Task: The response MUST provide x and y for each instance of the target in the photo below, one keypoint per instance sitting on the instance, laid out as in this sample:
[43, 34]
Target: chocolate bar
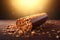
[31, 22]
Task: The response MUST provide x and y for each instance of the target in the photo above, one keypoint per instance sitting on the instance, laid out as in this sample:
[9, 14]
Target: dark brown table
[49, 31]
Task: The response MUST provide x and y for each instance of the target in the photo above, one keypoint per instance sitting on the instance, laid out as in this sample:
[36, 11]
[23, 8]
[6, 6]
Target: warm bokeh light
[26, 7]
[19, 8]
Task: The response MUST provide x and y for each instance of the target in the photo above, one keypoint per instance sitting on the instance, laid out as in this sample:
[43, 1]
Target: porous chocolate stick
[31, 22]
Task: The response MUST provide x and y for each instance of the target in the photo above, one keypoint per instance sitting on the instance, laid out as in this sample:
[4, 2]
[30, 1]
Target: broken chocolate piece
[31, 22]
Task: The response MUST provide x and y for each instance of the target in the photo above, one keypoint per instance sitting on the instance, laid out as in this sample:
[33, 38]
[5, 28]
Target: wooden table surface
[52, 28]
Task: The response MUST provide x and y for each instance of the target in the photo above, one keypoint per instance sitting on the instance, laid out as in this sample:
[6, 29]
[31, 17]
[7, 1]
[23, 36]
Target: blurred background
[14, 9]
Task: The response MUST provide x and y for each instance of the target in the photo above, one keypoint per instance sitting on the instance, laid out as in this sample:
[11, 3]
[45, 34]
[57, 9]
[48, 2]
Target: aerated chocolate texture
[22, 26]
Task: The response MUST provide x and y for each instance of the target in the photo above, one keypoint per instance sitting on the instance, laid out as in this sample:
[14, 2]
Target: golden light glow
[26, 7]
